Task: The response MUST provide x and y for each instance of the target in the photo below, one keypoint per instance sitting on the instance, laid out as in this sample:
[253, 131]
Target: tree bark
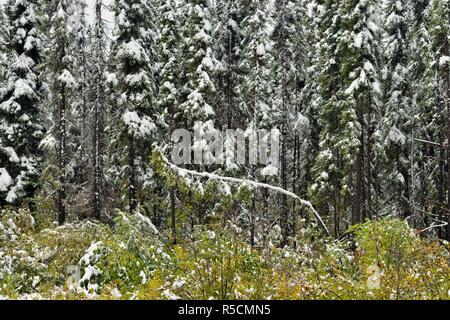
[62, 140]
[132, 177]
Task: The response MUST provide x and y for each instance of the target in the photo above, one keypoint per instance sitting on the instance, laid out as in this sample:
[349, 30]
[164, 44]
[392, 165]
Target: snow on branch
[183, 172]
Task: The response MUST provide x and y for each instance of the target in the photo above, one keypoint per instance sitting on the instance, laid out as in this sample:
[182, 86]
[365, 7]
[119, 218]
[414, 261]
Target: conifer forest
[225, 149]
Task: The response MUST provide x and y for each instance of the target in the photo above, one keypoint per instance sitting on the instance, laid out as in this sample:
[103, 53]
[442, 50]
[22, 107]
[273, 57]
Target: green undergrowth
[130, 259]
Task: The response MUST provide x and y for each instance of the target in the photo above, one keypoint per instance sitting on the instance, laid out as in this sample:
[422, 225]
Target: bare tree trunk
[231, 42]
[62, 157]
[132, 182]
[447, 106]
[252, 222]
[336, 216]
[97, 115]
[441, 177]
[359, 168]
[369, 162]
[284, 206]
[296, 166]
[62, 141]
[172, 188]
[351, 188]
[84, 115]
[172, 212]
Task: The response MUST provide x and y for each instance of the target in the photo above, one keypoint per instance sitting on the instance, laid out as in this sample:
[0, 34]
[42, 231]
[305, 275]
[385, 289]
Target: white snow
[90, 253]
[134, 50]
[396, 136]
[22, 88]
[143, 276]
[142, 126]
[147, 221]
[269, 171]
[12, 154]
[444, 60]
[358, 40]
[260, 50]
[67, 78]
[5, 180]
[301, 123]
[89, 271]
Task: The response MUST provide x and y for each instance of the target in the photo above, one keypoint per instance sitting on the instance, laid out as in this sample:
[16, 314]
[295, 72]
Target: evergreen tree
[289, 67]
[397, 112]
[330, 168]
[359, 71]
[98, 117]
[3, 48]
[59, 20]
[200, 66]
[426, 166]
[136, 113]
[81, 114]
[256, 94]
[440, 64]
[21, 127]
[169, 96]
[226, 37]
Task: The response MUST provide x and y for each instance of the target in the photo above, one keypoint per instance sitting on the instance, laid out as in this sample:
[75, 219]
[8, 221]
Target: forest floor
[130, 259]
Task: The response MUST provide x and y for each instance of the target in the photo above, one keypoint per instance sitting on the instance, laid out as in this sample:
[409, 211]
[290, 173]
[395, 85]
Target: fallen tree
[305, 203]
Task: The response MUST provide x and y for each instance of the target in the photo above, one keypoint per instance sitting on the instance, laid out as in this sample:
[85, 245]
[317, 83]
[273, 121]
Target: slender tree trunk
[355, 213]
[84, 116]
[230, 71]
[441, 177]
[172, 213]
[172, 188]
[359, 168]
[132, 182]
[284, 205]
[447, 106]
[296, 166]
[252, 222]
[336, 216]
[369, 162]
[62, 157]
[97, 115]
[62, 141]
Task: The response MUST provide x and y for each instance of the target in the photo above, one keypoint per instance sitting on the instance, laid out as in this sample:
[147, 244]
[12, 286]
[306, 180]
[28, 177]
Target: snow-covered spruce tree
[81, 112]
[170, 57]
[133, 124]
[439, 33]
[226, 37]
[98, 111]
[198, 94]
[329, 189]
[170, 92]
[361, 88]
[256, 95]
[426, 165]
[3, 47]
[307, 128]
[349, 87]
[200, 65]
[397, 118]
[21, 127]
[59, 31]
[255, 64]
[289, 68]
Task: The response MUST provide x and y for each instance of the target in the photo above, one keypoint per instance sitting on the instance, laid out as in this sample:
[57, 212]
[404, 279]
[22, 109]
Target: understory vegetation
[130, 259]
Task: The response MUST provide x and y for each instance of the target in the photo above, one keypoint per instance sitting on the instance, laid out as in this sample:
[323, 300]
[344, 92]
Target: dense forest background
[359, 91]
